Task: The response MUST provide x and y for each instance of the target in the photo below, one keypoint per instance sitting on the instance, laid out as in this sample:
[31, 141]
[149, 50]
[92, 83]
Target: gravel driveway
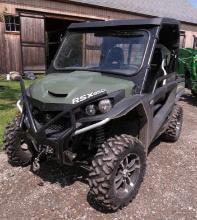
[169, 190]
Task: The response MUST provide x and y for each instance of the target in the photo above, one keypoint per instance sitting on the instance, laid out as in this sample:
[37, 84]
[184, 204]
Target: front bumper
[60, 141]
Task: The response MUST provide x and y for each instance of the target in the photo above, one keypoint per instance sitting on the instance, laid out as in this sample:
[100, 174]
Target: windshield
[118, 51]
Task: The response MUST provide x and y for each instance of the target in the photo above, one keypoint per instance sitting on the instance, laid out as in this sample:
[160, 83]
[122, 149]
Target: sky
[193, 2]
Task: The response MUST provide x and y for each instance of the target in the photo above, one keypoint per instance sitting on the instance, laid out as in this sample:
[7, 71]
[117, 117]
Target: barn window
[12, 23]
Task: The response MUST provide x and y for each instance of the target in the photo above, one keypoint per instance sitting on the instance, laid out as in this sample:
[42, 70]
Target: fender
[120, 109]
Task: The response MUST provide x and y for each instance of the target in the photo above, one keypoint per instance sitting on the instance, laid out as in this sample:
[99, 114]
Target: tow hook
[36, 165]
[69, 157]
[36, 162]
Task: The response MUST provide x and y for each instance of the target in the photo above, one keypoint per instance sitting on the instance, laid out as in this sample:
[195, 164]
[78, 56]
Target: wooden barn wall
[32, 30]
[34, 56]
[2, 49]
[9, 51]
[190, 31]
[13, 52]
[65, 10]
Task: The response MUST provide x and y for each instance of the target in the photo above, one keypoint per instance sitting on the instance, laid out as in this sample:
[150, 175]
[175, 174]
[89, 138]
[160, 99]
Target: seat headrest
[115, 57]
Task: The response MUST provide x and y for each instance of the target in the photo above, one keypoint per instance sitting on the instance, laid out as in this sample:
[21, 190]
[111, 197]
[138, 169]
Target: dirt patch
[169, 190]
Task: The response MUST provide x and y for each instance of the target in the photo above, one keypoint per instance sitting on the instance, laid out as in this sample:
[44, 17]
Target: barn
[31, 30]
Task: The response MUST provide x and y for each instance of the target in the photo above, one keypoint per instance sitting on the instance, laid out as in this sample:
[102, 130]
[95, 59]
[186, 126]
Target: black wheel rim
[127, 175]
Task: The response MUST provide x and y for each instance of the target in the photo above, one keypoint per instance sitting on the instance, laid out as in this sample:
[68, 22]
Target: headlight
[90, 110]
[104, 105]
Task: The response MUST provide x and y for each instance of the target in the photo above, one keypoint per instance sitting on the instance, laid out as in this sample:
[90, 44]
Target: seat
[114, 58]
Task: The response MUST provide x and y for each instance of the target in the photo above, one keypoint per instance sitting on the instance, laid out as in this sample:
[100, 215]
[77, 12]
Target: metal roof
[131, 22]
[181, 10]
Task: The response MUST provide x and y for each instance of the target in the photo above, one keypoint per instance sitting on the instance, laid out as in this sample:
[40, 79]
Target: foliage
[9, 94]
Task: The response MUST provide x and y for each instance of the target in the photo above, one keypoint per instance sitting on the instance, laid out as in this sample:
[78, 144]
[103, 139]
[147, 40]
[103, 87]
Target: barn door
[33, 50]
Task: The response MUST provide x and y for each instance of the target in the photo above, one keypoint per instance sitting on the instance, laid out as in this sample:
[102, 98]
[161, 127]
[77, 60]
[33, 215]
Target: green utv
[110, 91]
[188, 66]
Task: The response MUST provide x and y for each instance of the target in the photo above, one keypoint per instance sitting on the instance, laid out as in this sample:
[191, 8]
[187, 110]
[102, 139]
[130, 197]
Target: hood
[69, 87]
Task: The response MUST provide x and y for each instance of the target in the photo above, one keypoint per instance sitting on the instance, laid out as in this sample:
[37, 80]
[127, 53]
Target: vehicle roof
[124, 23]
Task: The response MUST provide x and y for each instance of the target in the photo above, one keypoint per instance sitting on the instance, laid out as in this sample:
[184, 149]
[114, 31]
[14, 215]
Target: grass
[9, 94]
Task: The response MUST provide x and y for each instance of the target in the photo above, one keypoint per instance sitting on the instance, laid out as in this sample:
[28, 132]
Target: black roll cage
[152, 26]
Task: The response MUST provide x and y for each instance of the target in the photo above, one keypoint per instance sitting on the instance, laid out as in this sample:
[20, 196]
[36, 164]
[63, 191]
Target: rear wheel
[173, 131]
[117, 172]
[16, 145]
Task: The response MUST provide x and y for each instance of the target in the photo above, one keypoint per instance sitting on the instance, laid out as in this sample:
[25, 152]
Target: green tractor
[109, 93]
[188, 66]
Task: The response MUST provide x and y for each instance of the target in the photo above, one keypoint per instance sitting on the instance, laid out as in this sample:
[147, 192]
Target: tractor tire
[17, 149]
[117, 172]
[173, 131]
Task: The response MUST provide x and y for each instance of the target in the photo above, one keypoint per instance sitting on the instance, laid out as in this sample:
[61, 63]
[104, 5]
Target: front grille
[56, 127]
[59, 126]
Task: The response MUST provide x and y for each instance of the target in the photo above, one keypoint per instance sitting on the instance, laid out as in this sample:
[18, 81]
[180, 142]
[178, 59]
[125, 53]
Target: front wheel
[16, 145]
[117, 172]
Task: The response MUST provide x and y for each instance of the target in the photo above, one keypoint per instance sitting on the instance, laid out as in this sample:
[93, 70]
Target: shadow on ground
[190, 99]
[154, 145]
[66, 175]
[52, 172]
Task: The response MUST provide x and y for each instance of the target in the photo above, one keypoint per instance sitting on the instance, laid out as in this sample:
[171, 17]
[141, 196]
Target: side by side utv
[111, 90]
